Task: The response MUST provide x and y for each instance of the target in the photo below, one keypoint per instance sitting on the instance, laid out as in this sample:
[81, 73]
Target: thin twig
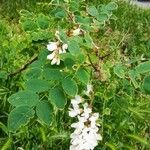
[102, 57]
[91, 62]
[34, 58]
[123, 38]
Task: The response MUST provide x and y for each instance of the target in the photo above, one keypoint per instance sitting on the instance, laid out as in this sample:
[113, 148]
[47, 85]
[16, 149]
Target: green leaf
[24, 98]
[74, 6]
[74, 48]
[111, 6]
[137, 138]
[146, 84]
[33, 73]
[81, 59]
[92, 11]
[70, 86]
[69, 63]
[83, 75]
[63, 36]
[26, 13]
[143, 67]
[52, 74]
[82, 20]
[119, 71]
[3, 128]
[29, 25]
[7, 144]
[44, 112]
[111, 146]
[3, 75]
[19, 116]
[132, 75]
[88, 40]
[43, 21]
[102, 17]
[57, 97]
[37, 85]
[61, 14]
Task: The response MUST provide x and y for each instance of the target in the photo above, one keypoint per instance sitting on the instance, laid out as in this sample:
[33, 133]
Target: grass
[125, 113]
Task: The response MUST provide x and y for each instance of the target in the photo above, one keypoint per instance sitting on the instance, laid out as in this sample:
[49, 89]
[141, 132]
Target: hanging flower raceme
[56, 48]
[85, 135]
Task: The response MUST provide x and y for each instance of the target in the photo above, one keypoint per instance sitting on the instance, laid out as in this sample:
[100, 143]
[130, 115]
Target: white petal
[99, 137]
[89, 90]
[60, 51]
[51, 56]
[73, 113]
[52, 46]
[64, 47]
[58, 61]
[77, 100]
[54, 61]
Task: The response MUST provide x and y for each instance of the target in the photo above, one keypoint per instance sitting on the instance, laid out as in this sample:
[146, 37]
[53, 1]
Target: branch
[34, 58]
[91, 62]
[102, 57]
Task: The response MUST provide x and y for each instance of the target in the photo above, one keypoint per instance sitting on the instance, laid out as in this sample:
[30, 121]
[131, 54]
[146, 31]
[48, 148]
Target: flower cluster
[85, 135]
[56, 48]
[59, 47]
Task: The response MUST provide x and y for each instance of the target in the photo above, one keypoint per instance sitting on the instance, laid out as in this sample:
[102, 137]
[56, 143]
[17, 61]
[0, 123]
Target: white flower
[63, 49]
[86, 111]
[52, 46]
[51, 56]
[93, 119]
[20, 148]
[85, 135]
[77, 100]
[76, 32]
[74, 111]
[56, 49]
[78, 125]
[89, 90]
[55, 60]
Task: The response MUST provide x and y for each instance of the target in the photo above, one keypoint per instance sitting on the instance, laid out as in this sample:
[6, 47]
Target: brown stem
[34, 58]
[91, 62]
[102, 57]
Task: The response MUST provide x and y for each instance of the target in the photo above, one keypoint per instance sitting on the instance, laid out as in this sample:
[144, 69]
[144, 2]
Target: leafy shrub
[40, 93]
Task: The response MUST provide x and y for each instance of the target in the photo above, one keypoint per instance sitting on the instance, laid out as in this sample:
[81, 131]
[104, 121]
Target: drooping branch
[91, 62]
[34, 58]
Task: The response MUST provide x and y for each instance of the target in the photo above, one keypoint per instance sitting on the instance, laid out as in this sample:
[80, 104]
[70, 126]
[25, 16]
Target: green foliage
[37, 85]
[146, 84]
[29, 25]
[57, 97]
[119, 71]
[92, 11]
[112, 54]
[74, 48]
[43, 21]
[19, 116]
[3, 75]
[44, 112]
[70, 86]
[24, 98]
[143, 68]
[83, 75]
[52, 74]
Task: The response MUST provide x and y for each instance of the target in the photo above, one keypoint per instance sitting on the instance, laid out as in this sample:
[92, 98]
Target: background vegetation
[122, 102]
